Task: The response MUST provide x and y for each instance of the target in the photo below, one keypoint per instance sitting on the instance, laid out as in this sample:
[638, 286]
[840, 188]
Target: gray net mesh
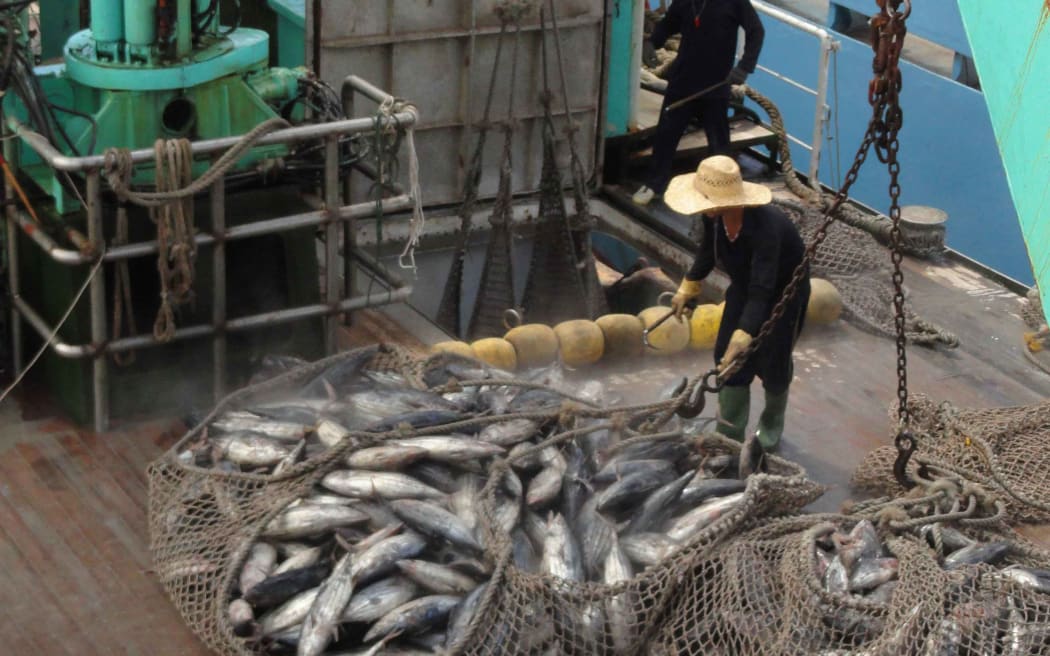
[805, 585]
[1032, 310]
[207, 523]
[859, 267]
[1003, 449]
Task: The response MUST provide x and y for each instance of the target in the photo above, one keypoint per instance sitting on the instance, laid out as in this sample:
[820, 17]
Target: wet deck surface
[74, 544]
[73, 536]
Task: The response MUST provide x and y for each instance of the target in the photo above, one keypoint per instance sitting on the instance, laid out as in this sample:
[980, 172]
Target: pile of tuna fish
[857, 563]
[388, 551]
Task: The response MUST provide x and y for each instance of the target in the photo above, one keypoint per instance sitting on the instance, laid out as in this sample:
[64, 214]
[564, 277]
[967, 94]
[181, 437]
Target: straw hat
[717, 184]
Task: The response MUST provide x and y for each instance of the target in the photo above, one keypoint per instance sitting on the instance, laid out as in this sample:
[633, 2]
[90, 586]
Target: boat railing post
[13, 280]
[218, 228]
[821, 110]
[332, 196]
[97, 292]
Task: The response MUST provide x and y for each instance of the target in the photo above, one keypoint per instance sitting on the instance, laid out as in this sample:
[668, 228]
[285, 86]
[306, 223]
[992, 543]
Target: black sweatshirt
[759, 263]
[709, 33]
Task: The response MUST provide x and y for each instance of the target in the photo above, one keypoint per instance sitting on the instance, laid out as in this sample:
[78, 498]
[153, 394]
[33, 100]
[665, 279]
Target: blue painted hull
[949, 157]
[1012, 53]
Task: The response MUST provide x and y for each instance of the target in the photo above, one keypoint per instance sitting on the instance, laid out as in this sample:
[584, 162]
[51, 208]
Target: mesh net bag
[762, 592]
[1003, 449]
[858, 266]
[529, 613]
[204, 523]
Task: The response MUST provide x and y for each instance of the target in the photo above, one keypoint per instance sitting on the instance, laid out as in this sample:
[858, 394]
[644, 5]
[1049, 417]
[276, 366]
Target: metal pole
[348, 96]
[820, 112]
[12, 266]
[218, 302]
[100, 369]
[58, 160]
[331, 242]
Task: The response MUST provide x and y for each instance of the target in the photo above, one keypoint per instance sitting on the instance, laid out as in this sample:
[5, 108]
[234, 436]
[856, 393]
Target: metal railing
[822, 114]
[330, 213]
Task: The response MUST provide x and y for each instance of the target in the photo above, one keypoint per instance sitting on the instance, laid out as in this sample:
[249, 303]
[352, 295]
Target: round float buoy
[703, 326]
[670, 337]
[825, 304]
[535, 344]
[581, 342]
[497, 352]
[461, 349]
[622, 333]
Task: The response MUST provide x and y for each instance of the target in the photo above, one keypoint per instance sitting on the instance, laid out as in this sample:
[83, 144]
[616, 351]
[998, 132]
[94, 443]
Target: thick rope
[176, 246]
[119, 169]
[171, 209]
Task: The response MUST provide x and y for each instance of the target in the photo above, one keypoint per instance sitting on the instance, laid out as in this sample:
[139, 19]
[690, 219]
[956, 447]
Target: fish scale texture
[203, 523]
[1004, 449]
[526, 613]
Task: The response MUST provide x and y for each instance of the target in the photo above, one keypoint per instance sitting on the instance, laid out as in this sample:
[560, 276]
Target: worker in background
[759, 247]
[705, 58]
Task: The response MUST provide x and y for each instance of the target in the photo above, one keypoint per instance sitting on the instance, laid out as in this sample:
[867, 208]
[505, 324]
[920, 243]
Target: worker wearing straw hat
[699, 79]
[759, 247]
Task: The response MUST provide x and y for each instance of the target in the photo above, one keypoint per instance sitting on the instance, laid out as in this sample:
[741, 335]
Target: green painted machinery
[151, 69]
[146, 70]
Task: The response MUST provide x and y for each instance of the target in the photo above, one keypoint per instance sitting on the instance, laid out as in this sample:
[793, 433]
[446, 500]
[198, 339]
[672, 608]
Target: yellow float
[454, 347]
[703, 326]
[497, 352]
[536, 344]
[622, 333]
[581, 342]
[670, 337]
[825, 304]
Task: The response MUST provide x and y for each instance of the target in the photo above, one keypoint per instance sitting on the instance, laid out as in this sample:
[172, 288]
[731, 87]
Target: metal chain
[888, 30]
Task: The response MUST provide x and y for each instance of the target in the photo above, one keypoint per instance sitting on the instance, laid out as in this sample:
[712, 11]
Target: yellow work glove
[737, 343]
[687, 291]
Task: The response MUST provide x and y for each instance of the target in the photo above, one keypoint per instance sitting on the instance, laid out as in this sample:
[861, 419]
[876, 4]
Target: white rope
[407, 259]
[54, 333]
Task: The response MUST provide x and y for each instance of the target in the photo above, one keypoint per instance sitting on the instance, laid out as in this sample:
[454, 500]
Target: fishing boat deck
[73, 531]
[74, 542]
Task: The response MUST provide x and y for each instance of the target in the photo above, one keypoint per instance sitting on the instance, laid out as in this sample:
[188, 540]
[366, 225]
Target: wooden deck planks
[73, 515]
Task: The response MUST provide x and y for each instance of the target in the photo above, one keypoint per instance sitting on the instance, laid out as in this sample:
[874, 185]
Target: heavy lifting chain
[888, 30]
[884, 96]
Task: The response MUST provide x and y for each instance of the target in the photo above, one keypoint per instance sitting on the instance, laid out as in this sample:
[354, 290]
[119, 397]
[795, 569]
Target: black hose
[87, 117]
[237, 20]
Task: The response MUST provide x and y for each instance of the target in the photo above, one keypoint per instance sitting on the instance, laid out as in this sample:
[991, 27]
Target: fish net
[1003, 449]
[1032, 310]
[525, 612]
[203, 523]
[765, 591]
[859, 267]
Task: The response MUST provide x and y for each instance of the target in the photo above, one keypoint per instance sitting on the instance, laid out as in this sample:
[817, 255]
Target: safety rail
[822, 115]
[330, 212]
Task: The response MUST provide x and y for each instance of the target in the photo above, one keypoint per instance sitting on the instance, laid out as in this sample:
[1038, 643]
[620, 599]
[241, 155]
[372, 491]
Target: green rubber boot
[734, 404]
[771, 422]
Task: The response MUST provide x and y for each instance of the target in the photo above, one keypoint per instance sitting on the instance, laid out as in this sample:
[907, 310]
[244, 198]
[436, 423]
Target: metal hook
[905, 443]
